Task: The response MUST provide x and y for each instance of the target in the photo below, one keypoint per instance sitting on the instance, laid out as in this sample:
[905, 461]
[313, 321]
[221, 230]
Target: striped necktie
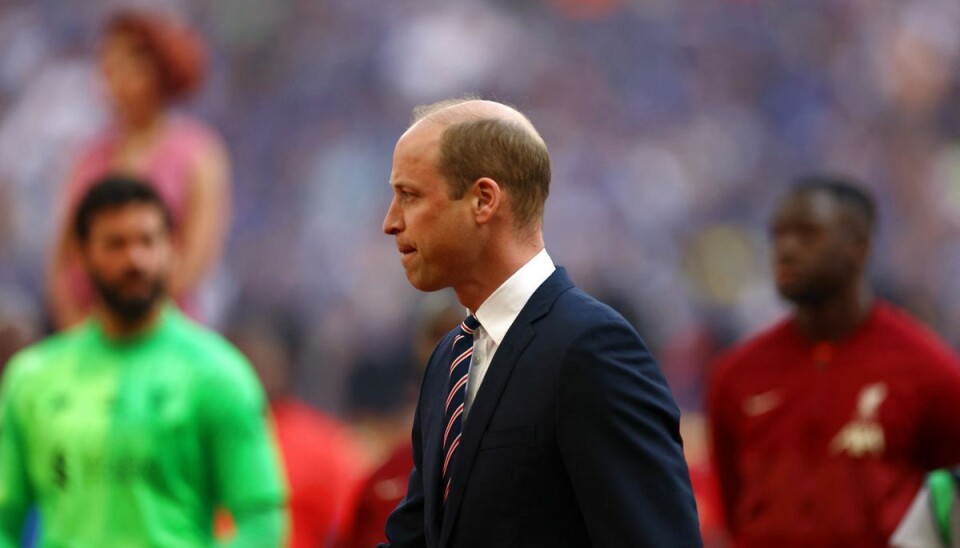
[456, 393]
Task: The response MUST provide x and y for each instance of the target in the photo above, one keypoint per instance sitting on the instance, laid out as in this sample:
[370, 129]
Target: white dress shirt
[498, 313]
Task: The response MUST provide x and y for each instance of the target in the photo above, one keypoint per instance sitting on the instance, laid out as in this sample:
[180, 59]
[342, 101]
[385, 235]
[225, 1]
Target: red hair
[175, 49]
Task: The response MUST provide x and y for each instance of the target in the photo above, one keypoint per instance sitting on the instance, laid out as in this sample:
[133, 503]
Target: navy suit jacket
[572, 440]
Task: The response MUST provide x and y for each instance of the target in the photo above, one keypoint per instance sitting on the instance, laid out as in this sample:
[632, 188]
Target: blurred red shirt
[706, 492]
[379, 495]
[820, 444]
[324, 469]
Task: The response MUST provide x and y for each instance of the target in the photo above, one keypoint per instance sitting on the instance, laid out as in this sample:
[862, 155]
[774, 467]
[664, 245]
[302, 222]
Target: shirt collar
[501, 308]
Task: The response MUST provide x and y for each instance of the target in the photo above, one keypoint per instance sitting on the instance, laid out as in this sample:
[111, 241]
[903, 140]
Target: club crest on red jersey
[863, 435]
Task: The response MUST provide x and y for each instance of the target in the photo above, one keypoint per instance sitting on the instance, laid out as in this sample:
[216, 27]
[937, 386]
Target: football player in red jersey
[824, 425]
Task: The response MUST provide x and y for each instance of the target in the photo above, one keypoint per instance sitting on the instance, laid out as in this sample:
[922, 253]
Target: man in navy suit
[542, 420]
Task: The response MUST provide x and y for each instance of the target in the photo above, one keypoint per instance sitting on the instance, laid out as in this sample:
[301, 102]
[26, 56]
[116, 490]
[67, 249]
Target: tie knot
[470, 324]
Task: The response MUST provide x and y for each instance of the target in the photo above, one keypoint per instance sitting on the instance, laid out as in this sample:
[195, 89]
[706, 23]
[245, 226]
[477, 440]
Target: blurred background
[673, 126]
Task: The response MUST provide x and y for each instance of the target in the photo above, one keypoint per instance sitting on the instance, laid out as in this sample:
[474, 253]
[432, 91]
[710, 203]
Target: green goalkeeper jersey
[135, 442]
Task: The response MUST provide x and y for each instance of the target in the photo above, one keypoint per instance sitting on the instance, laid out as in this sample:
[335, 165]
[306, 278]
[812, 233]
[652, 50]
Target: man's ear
[486, 199]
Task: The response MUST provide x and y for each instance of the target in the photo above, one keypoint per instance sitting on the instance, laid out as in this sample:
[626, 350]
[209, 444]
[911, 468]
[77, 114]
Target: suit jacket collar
[516, 340]
[502, 308]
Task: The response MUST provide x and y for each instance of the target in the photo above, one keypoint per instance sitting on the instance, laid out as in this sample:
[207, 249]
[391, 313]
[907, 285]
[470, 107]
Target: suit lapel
[517, 339]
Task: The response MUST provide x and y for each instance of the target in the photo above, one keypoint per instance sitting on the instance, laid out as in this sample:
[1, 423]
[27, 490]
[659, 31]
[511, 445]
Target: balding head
[489, 139]
[455, 111]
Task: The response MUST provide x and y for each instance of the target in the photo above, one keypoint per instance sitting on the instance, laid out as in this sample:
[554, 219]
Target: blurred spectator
[378, 399]
[148, 63]
[825, 425]
[387, 485]
[322, 462]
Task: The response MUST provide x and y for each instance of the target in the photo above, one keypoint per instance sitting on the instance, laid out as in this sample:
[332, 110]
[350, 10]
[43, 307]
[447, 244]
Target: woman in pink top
[148, 63]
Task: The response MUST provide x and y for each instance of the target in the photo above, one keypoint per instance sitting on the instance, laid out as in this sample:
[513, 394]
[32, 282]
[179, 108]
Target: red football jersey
[825, 444]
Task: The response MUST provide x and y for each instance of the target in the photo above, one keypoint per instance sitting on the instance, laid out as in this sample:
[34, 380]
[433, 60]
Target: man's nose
[784, 249]
[137, 254]
[392, 223]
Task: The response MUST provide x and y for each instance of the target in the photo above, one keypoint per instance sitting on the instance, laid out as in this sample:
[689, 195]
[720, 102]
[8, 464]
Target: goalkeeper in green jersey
[131, 429]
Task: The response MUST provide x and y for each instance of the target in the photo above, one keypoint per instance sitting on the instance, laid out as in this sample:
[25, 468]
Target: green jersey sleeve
[15, 495]
[246, 473]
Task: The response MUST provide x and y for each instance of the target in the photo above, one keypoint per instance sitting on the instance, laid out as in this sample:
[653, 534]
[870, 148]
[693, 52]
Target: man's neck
[834, 319]
[116, 327]
[493, 272]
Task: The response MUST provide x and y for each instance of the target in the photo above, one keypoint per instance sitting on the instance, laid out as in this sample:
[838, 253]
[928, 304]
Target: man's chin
[131, 308]
[131, 311]
[424, 284]
[797, 296]
[129, 302]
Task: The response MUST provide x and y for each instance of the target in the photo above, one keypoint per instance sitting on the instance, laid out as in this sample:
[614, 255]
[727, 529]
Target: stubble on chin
[129, 310]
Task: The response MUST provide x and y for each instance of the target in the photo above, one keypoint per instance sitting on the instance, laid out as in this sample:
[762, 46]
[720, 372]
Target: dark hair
[849, 193]
[176, 50]
[111, 192]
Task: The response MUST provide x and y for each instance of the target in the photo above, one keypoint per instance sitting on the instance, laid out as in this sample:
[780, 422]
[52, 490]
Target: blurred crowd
[673, 127]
